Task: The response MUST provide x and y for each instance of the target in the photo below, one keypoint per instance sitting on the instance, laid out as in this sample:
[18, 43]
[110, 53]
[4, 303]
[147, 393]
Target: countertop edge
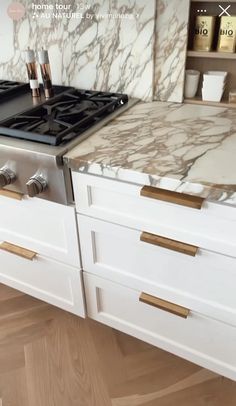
[209, 192]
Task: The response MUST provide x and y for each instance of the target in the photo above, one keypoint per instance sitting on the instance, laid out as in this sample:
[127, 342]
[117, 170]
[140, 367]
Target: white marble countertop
[182, 147]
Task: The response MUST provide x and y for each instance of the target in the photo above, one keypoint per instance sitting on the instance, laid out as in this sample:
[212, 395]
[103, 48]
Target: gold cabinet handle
[11, 194]
[170, 196]
[16, 250]
[169, 244]
[164, 305]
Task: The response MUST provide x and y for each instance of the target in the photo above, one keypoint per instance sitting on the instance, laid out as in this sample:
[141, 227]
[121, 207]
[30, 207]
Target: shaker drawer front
[202, 340]
[204, 281]
[44, 227]
[204, 224]
[53, 282]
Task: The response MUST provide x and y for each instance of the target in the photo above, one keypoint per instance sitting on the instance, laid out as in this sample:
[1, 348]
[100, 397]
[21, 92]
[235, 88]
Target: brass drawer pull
[16, 250]
[11, 194]
[164, 305]
[182, 199]
[169, 244]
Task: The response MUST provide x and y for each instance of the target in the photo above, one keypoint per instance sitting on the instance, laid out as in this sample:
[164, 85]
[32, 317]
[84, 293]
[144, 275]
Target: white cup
[191, 83]
[217, 73]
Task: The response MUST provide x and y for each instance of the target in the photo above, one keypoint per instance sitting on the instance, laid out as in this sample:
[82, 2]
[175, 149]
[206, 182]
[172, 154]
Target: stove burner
[8, 88]
[64, 117]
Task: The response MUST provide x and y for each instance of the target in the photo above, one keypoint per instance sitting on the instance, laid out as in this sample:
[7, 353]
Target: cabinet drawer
[48, 280]
[212, 227]
[45, 227]
[202, 340]
[205, 282]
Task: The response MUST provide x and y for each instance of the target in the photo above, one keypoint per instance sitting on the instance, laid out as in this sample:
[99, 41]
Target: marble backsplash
[97, 50]
[142, 54]
[170, 49]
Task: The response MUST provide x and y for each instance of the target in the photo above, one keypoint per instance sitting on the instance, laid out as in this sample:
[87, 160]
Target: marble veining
[102, 52]
[170, 49]
[180, 147]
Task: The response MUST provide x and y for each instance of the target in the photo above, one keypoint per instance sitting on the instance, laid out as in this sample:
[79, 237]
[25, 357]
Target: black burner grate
[8, 88]
[64, 117]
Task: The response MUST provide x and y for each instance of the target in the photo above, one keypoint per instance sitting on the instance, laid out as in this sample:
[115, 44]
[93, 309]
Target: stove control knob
[7, 176]
[36, 185]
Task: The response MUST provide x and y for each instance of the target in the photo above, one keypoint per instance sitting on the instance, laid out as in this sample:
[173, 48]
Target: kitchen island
[155, 196]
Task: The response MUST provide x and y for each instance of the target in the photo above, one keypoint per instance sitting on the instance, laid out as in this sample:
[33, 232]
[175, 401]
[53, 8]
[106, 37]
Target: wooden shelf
[199, 101]
[213, 60]
[214, 55]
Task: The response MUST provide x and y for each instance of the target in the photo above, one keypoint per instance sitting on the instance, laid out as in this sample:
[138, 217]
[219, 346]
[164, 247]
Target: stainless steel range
[36, 133]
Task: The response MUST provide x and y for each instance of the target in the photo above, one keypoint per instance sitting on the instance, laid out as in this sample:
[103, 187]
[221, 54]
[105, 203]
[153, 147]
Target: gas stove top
[36, 133]
[8, 88]
[63, 118]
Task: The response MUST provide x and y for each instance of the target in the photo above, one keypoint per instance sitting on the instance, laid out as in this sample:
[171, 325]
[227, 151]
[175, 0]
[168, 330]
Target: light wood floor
[51, 358]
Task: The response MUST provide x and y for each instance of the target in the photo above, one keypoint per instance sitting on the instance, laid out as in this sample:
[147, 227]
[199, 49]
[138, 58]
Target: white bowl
[214, 95]
[209, 87]
[217, 73]
[214, 80]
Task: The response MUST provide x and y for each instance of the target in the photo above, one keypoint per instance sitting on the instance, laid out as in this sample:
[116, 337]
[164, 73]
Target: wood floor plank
[37, 373]
[23, 319]
[13, 388]
[127, 347]
[6, 358]
[49, 357]
[85, 364]
[8, 293]
[110, 354]
[18, 304]
[16, 338]
[210, 392]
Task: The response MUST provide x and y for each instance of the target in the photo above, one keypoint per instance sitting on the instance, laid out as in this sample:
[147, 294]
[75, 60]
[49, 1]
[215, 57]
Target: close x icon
[224, 10]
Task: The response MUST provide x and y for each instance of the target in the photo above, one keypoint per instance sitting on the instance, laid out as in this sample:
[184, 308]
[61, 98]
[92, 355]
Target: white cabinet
[179, 250]
[48, 280]
[213, 227]
[199, 339]
[42, 226]
[204, 282]
[39, 251]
